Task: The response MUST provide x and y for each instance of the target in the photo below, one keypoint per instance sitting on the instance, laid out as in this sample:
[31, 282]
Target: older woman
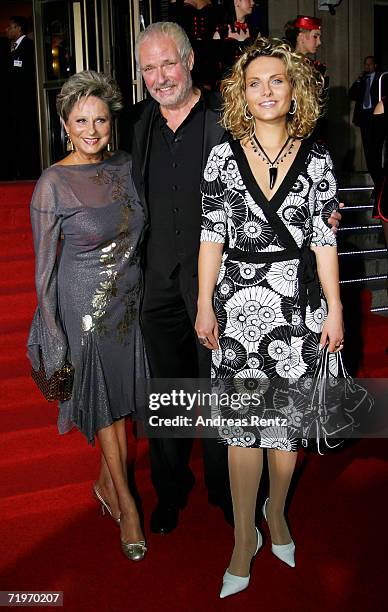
[88, 225]
[267, 194]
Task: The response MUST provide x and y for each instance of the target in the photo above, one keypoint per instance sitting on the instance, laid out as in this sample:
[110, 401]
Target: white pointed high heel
[232, 584]
[284, 552]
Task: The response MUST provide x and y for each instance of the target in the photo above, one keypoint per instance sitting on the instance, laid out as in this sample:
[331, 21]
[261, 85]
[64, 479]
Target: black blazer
[357, 92]
[21, 77]
[141, 121]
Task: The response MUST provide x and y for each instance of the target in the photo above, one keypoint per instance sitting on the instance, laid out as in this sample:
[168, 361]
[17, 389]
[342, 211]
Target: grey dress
[88, 225]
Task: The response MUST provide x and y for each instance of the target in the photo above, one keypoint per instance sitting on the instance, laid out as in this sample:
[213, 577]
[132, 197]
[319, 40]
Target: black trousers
[22, 127]
[366, 137]
[168, 317]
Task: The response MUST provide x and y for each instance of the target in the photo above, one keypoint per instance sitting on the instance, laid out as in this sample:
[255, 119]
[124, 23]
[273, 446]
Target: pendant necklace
[273, 165]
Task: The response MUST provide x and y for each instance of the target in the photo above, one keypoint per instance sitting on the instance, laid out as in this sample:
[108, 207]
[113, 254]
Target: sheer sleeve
[46, 331]
[213, 228]
[325, 202]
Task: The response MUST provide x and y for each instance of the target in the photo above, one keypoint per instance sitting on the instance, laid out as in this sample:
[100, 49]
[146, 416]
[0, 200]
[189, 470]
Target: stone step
[354, 179]
[361, 240]
[373, 283]
[355, 196]
[351, 254]
[380, 300]
[357, 215]
[364, 269]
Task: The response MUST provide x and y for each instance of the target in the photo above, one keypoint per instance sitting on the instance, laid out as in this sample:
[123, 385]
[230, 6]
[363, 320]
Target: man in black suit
[172, 134]
[22, 107]
[365, 93]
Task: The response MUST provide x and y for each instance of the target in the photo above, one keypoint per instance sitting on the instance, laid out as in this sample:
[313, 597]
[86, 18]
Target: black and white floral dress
[268, 302]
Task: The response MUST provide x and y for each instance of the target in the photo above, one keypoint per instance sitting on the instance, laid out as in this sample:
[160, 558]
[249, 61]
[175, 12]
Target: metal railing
[383, 74]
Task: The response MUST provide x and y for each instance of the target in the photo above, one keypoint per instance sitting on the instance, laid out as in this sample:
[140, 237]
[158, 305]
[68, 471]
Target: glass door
[79, 35]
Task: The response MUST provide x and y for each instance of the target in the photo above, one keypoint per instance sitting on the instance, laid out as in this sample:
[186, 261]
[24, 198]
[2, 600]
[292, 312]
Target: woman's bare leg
[104, 483]
[112, 442]
[245, 468]
[105, 486]
[121, 433]
[281, 465]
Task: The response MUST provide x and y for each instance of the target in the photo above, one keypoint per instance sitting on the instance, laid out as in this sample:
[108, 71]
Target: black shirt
[174, 199]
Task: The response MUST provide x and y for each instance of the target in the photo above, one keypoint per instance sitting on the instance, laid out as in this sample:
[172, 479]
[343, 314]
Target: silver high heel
[104, 504]
[135, 551]
[284, 552]
[232, 584]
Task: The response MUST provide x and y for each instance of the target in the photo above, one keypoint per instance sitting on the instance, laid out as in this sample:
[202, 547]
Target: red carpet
[52, 536]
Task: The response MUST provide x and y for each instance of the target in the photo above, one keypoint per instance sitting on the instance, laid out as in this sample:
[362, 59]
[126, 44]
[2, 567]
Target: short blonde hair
[89, 83]
[307, 84]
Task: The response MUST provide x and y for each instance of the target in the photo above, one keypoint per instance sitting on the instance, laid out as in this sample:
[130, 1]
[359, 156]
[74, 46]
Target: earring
[108, 147]
[246, 111]
[294, 106]
[69, 144]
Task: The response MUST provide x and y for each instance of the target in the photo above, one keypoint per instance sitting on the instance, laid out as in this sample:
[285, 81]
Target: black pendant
[273, 174]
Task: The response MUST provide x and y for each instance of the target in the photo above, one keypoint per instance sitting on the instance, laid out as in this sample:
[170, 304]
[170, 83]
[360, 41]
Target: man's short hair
[21, 21]
[170, 29]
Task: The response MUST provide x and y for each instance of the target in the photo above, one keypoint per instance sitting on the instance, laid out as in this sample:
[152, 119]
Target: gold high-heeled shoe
[104, 505]
[135, 551]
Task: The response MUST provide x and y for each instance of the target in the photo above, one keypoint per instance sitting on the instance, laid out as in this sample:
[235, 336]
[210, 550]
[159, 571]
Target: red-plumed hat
[307, 23]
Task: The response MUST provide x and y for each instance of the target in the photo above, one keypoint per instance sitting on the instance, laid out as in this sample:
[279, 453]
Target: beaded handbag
[59, 386]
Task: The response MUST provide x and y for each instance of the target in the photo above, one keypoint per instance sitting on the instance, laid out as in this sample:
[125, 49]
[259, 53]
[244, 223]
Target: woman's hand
[239, 36]
[333, 330]
[206, 327]
[335, 218]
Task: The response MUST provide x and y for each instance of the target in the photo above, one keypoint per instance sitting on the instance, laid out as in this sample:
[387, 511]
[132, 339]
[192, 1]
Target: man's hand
[335, 218]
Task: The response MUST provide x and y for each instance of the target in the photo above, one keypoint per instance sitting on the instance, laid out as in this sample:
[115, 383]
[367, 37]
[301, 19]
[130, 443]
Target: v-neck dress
[267, 299]
[88, 225]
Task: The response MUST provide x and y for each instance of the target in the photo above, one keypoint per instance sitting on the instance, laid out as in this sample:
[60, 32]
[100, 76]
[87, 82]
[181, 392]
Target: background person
[89, 285]
[235, 24]
[20, 93]
[304, 36]
[365, 93]
[379, 169]
[197, 17]
[267, 195]
[235, 32]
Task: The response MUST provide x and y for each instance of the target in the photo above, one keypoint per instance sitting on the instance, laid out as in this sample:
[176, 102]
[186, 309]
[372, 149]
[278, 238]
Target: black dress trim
[287, 183]
[309, 289]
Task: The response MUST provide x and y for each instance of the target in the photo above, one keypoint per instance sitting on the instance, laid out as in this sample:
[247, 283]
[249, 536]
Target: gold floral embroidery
[112, 255]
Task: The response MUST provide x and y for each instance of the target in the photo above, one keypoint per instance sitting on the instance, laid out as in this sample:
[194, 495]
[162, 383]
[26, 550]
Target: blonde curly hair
[307, 85]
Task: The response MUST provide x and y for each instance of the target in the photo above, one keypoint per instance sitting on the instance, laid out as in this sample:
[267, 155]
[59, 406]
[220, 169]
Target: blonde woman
[263, 310]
